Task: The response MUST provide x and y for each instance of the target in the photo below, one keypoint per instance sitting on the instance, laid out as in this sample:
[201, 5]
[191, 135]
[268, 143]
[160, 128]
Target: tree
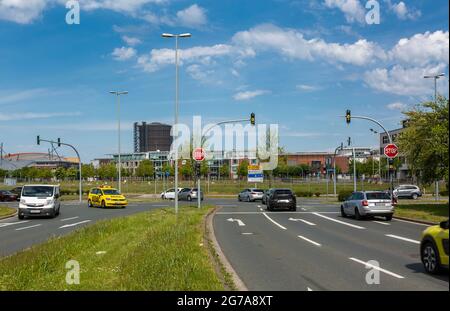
[60, 173]
[3, 173]
[242, 170]
[145, 169]
[107, 171]
[87, 170]
[187, 169]
[224, 170]
[168, 168]
[204, 168]
[424, 142]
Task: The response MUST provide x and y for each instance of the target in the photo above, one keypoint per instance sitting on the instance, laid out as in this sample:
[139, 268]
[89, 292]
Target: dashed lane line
[402, 238]
[310, 241]
[29, 227]
[368, 265]
[340, 222]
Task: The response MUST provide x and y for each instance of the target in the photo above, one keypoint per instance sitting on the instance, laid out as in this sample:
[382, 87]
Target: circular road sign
[199, 154]
[391, 151]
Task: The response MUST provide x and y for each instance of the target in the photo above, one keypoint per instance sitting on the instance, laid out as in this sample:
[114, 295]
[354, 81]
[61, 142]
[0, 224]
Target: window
[378, 196]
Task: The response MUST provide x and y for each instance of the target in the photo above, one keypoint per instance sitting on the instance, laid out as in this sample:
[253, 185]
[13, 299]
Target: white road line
[305, 221]
[381, 223]
[239, 222]
[284, 228]
[261, 209]
[6, 224]
[411, 222]
[309, 289]
[310, 241]
[402, 238]
[303, 209]
[377, 268]
[71, 218]
[29, 227]
[338, 221]
[259, 205]
[247, 233]
[75, 224]
[159, 205]
[283, 212]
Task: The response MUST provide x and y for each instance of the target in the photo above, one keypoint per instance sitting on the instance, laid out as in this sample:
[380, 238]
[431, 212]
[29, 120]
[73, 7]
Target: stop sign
[199, 154]
[391, 151]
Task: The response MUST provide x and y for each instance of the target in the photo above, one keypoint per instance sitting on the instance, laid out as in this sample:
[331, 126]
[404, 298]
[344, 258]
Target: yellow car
[434, 248]
[106, 196]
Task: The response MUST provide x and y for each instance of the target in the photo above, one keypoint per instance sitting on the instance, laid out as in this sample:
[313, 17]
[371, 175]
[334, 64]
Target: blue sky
[298, 63]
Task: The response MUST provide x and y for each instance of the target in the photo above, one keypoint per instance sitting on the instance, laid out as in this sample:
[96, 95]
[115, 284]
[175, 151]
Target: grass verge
[427, 212]
[148, 251]
[6, 211]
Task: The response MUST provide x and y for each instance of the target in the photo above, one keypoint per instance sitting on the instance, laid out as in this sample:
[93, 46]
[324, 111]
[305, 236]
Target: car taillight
[394, 201]
[365, 203]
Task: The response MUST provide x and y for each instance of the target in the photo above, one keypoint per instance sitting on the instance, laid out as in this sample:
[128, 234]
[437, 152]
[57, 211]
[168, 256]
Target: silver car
[407, 191]
[368, 203]
[189, 194]
[251, 195]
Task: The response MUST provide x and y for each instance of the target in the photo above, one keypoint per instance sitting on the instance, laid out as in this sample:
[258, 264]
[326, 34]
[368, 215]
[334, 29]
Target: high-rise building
[152, 137]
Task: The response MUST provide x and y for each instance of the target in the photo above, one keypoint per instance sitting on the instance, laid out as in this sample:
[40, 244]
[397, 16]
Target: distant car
[189, 194]
[39, 200]
[169, 194]
[434, 248]
[281, 199]
[7, 196]
[251, 195]
[368, 203]
[408, 191]
[106, 196]
[265, 195]
[17, 191]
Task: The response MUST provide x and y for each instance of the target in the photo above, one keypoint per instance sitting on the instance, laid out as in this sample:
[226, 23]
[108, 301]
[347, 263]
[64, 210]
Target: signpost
[391, 151]
[255, 174]
[199, 156]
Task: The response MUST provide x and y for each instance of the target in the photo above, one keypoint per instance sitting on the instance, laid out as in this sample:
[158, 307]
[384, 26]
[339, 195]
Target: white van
[39, 200]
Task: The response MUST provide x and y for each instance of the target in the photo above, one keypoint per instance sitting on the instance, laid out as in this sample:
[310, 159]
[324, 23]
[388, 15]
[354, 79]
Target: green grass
[148, 251]
[6, 211]
[427, 212]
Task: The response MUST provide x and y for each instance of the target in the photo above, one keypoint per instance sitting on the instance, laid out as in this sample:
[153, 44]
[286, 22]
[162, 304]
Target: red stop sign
[199, 154]
[391, 151]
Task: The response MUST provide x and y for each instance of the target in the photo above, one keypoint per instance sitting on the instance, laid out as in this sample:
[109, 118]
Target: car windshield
[111, 192]
[37, 191]
[258, 190]
[378, 196]
[282, 191]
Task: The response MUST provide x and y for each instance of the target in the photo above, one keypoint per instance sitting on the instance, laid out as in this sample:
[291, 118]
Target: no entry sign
[391, 151]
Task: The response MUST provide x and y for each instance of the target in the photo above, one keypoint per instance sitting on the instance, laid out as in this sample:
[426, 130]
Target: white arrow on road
[240, 222]
[305, 221]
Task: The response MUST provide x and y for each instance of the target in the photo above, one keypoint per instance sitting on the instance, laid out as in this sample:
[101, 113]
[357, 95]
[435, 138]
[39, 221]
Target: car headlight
[48, 202]
[22, 201]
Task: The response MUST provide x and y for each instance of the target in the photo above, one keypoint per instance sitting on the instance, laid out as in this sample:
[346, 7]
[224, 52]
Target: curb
[423, 222]
[238, 283]
[9, 216]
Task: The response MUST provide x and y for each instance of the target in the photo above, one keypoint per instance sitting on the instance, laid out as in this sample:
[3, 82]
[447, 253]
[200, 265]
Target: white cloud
[125, 6]
[22, 11]
[131, 41]
[247, 95]
[352, 9]
[35, 115]
[397, 106]
[123, 53]
[306, 88]
[201, 74]
[422, 49]
[13, 97]
[193, 16]
[402, 11]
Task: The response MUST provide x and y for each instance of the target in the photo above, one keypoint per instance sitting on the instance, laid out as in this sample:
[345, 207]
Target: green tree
[242, 170]
[3, 173]
[60, 173]
[424, 142]
[145, 169]
[168, 168]
[107, 171]
[87, 170]
[224, 171]
[187, 170]
[204, 168]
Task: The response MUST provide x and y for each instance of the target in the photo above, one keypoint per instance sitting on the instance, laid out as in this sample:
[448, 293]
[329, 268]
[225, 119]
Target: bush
[343, 195]
[304, 194]
[317, 194]
[443, 193]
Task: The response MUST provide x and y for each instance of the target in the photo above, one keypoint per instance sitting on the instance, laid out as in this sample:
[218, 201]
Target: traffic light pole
[334, 167]
[59, 143]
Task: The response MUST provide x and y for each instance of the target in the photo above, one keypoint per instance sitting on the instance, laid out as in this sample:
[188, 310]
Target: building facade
[152, 137]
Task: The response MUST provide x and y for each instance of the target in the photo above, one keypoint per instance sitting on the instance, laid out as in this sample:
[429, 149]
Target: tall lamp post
[435, 78]
[176, 36]
[118, 94]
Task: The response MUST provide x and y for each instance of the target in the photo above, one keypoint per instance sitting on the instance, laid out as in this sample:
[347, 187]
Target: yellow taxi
[106, 196]
[434, 248]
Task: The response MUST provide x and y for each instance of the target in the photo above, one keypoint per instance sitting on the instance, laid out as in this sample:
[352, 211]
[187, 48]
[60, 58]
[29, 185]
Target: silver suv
[407, 191]
[368, 203]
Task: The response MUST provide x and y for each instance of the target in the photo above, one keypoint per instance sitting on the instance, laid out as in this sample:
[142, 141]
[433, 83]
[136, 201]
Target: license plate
[283, 201]
[381, 204]
[35, 211]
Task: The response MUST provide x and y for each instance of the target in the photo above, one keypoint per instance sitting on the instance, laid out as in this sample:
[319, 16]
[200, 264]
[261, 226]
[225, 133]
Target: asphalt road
[16, 235]
[316, 249]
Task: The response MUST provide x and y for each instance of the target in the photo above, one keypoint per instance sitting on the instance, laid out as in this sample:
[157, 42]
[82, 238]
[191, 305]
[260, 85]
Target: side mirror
[444, 225]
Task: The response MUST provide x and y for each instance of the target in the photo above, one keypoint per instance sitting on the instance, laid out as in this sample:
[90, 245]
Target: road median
[6, 212]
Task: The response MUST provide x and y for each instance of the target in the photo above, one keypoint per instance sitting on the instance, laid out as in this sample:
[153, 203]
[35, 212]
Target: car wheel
[103, 204]
[343, 214]
[388, 217]
[163, 197]
[415, 196]
[20, 216]
[357, 214]
[248, 199]
[90, 203]
[239, 198]
[430, 258]
[293, 208]
[58, 211]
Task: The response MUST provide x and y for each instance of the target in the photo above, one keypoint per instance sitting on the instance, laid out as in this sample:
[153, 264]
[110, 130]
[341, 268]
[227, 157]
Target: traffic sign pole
[199, 156]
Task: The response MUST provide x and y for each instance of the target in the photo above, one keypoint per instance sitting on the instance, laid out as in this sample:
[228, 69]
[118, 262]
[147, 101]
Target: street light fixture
[435, 77]
[118, 94]
[176, 36]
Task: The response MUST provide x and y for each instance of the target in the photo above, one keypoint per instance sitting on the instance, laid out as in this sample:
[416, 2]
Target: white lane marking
[283, 212]
[259, 206]
[6, 224]
[284, 228]
[377, 268]
[239, 222]
[247, 233]
[381, 223]
[411, 222]
[305, 221]
[340, 222]
[71, 218]
[309, 289]
[29, 227]
[402, 238]
[310, 241]
[74, 224]
[261, 209]
[303, 209]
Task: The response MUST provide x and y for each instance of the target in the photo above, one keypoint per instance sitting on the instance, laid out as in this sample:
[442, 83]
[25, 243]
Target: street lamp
[435, 77]
[169, 35]
[118, 93]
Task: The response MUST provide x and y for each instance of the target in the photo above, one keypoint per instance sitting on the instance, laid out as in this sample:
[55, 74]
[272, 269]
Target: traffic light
[349, 141]
[252, 119]
[348, 116]
[59, 142]
[38, 140]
